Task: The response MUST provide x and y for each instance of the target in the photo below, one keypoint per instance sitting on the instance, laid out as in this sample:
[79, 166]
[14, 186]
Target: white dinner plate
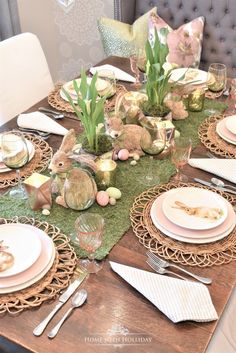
[224, 133]
[187, 235]
[193, 197]
[31, 150]
[192, 240]
[230, 123]
[190, 75]
[23, 243]
[36, 271]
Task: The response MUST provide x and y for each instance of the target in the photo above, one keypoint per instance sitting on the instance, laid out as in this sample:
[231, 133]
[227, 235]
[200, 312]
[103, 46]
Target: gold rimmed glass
[216, 82]
[15, 155]
[217, 76]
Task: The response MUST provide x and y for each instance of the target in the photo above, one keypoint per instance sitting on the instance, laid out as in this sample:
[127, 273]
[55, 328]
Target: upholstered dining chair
[25, 78]
[219, 38]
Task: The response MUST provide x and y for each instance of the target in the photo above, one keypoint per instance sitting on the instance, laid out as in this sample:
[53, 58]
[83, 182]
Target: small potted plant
[89, 108]
[158, 72]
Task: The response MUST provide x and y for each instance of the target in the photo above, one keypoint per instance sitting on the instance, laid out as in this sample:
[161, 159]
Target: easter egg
[136, 157]
[102, 198]
[114, 192]
[123, 154]
[112, 201]
[177, 134]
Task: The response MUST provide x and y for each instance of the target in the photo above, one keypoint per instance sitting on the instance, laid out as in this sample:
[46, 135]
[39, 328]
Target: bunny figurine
[82, 186]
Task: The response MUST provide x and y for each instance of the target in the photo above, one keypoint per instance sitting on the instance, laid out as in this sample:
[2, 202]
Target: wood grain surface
[113, 303]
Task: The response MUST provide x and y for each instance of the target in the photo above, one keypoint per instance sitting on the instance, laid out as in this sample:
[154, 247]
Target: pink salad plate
[176, 232]
[37, 270]
[224, 133]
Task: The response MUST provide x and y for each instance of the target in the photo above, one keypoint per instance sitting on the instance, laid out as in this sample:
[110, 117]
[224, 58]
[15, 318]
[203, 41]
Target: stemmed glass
[89, 229]
[216, 81]
[180, 153]
[15, 155]
[152, 142]
[137, 65]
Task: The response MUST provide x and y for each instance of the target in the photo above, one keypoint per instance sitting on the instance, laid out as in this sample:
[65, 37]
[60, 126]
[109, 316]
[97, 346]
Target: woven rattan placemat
[40, 161]
[202, 255]
[57, 278]
[55, 100]
[211, 140]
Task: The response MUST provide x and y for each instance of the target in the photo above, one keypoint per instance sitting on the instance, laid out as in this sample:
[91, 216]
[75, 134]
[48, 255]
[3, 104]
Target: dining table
[116, 317]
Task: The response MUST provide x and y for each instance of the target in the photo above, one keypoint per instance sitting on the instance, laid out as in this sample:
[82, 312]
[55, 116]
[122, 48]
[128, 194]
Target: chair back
[25, 78]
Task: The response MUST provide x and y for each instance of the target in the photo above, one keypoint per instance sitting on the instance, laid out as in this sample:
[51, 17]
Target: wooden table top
[113, 303]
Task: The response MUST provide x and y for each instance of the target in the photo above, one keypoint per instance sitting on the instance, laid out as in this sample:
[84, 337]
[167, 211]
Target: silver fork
[164, 264]
[162, 270]
[43, 134]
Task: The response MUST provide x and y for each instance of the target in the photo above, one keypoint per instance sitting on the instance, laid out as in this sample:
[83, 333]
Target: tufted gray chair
[219, 43]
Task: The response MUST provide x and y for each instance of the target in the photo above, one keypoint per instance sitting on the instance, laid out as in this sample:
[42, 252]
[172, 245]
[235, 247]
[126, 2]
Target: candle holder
[106, 173]
[38, 188]
[196, 100]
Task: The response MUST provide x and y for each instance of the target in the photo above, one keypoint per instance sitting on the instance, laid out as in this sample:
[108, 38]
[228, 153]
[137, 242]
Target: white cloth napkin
[119, 74]
[40, 121]
[224, 168]
[179, 300]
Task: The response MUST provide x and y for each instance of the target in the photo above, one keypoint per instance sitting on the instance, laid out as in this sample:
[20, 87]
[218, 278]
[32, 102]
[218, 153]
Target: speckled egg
[102, 198]
[123, 154]
[114, 192]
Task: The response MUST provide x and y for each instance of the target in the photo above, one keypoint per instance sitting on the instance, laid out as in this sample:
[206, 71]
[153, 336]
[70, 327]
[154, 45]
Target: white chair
[25, 78]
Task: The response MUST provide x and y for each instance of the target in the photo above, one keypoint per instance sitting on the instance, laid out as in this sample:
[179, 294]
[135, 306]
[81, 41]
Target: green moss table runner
[116, 217]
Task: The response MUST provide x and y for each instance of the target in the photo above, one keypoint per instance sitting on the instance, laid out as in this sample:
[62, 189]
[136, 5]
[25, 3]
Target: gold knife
[62, 300]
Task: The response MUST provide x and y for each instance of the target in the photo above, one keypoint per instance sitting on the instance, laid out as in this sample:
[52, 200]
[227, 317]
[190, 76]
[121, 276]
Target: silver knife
[47, 110]
[207, 183]
[62, 300]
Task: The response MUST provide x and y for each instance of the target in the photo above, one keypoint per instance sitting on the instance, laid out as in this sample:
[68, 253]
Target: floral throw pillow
[185, 43]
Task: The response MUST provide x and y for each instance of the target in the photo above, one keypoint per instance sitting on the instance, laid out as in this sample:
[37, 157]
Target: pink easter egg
[123, 154]
[102, 198]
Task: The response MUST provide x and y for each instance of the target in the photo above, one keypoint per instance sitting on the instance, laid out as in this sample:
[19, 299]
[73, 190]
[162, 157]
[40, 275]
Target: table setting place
[50, 243]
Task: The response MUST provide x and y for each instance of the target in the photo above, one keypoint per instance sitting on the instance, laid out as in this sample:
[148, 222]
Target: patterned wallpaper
[67, 30]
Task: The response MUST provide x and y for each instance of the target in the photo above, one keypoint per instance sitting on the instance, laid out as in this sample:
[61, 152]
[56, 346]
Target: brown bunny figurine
[61, 167]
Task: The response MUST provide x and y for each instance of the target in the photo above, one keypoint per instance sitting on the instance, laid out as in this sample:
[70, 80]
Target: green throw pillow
[121, 39]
